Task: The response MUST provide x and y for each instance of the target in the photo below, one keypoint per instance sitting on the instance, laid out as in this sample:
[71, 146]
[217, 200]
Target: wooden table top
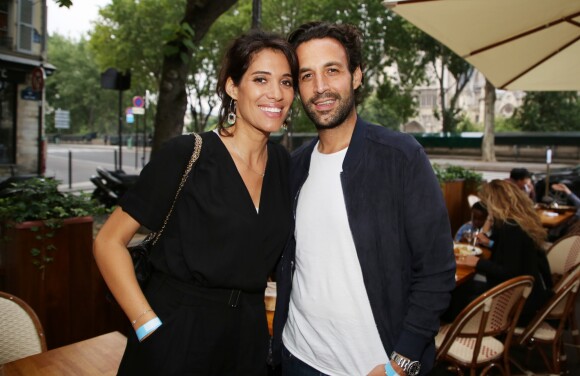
[552, 218]
[96, 356]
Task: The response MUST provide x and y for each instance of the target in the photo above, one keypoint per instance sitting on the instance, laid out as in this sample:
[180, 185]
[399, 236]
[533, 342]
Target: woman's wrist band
[389, 370]
[141, 315]
[147, 328]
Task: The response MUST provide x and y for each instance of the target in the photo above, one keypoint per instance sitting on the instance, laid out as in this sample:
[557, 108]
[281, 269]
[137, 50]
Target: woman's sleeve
[149, 199]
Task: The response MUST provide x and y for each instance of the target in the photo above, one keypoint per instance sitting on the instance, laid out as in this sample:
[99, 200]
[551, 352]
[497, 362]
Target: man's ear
[357, 78]
[231, 89]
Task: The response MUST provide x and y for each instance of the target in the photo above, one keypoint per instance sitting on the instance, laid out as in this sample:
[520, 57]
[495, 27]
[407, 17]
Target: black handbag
[141, 252]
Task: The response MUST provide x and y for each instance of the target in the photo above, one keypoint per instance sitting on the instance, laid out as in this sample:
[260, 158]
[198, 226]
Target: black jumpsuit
[215, 252]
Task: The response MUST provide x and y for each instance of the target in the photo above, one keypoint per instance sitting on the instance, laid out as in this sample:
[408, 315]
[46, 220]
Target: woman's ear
[231, 89]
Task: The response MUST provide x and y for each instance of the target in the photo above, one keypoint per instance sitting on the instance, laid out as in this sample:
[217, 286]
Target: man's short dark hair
[519, 174]
[349, 36]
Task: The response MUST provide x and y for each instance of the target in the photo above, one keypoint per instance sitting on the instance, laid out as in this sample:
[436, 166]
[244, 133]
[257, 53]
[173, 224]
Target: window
[7, 121]
[4, 39]
[25, 26]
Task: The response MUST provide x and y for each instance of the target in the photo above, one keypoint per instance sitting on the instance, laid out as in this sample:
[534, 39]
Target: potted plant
[46, 256]
[457, 183]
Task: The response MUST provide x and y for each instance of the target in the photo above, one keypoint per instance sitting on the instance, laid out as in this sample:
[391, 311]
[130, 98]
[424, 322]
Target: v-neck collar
[256, 210]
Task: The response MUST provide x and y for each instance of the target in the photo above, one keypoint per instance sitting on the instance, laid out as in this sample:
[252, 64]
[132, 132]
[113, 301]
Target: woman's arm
[116, 266]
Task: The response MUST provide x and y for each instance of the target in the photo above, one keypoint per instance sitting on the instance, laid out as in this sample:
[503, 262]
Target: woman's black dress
[212, 260]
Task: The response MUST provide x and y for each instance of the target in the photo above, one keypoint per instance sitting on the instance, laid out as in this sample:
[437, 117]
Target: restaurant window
[7, 121]
[25, 26]
[4, 36]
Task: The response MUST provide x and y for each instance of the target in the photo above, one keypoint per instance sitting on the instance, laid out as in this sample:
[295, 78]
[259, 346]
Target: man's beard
[340, 115]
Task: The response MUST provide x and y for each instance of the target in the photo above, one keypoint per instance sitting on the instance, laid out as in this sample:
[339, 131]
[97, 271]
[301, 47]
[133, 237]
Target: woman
[225, 234]
[517, 250]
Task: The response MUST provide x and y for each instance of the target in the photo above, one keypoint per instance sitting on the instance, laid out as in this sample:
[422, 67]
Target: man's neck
[338, 138]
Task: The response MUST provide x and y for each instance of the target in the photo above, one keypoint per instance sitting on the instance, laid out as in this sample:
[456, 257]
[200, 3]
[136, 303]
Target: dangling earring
[232, 114]
[287, 120]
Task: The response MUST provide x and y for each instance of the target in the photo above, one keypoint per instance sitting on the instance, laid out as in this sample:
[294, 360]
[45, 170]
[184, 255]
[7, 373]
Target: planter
[67, 293]
[454, 201]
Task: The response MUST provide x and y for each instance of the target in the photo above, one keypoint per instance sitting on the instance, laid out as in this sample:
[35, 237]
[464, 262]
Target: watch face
[413, 369]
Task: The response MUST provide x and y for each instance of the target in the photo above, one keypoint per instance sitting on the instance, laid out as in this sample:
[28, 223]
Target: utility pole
[256, 14]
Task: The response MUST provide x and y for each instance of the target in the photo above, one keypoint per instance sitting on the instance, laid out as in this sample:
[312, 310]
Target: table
[465, 273]
[96, 356]
[553, 218]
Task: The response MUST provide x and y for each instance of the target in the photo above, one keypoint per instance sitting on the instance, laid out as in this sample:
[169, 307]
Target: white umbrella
[517, 44]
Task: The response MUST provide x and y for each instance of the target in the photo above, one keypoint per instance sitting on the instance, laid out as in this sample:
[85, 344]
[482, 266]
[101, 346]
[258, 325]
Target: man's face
[523, 183]
[325, 83]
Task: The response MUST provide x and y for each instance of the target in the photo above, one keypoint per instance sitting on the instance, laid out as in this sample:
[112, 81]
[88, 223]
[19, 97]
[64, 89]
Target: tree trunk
[488, 142]
[172, 104]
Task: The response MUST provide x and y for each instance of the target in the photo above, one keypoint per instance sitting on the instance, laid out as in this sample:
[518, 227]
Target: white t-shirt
[330, 323]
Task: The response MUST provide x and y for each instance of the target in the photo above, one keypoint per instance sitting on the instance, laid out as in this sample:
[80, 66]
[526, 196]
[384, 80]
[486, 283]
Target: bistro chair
[563, 256]
[21, 333]
[470, 341]
[546, 328]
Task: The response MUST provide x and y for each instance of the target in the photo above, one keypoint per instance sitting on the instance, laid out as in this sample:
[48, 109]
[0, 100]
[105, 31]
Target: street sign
[37, 79]
[62, 119]
[138, 101]
[138, 111]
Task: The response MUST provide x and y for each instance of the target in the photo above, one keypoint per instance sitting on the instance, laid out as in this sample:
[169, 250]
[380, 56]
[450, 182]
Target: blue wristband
[390, 371]
[147, 328]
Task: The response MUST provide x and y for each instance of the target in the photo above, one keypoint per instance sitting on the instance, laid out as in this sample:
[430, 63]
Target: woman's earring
[232, 114]
[288, 120]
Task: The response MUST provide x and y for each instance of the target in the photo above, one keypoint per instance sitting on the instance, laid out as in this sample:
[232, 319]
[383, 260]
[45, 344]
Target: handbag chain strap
[194, 157]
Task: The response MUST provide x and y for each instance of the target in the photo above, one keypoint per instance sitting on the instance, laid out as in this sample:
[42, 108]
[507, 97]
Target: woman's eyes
[264, 80]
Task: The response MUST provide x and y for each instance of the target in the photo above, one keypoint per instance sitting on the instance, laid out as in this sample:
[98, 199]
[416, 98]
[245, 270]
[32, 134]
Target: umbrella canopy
[517, 44]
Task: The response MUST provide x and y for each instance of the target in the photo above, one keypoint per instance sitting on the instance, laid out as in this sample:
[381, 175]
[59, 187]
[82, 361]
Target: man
[523, 179]
[370, 267]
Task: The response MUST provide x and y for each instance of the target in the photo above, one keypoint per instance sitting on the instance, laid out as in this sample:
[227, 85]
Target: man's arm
[428, 235]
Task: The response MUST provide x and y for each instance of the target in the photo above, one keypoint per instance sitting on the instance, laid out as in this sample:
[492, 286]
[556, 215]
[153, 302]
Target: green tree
[443, 60]
[75, 86]
[545, 111]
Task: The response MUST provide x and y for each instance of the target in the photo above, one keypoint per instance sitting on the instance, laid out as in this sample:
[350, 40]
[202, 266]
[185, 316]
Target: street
[85, 159]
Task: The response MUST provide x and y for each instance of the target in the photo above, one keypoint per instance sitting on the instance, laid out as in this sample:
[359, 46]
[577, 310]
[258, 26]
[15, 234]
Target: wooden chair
[471, 340]
[21, 333]
[549, 323]
[563, 256]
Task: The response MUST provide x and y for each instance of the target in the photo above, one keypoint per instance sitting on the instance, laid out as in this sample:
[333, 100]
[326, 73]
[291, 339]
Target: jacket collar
[355, 147]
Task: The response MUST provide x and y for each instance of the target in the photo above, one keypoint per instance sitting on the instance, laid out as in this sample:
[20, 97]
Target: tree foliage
[549, 111]
[75, 86]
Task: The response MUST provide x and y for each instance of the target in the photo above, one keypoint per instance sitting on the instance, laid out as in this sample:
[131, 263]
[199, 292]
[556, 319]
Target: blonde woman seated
[517, 250]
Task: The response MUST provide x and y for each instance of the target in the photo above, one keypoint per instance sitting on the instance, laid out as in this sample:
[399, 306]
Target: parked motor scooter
[111, 185]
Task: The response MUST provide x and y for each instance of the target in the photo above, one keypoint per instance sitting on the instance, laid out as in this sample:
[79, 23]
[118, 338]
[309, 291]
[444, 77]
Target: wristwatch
[411, 368]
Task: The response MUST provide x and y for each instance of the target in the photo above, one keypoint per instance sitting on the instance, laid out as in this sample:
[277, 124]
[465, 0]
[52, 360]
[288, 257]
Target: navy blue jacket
[400, 228]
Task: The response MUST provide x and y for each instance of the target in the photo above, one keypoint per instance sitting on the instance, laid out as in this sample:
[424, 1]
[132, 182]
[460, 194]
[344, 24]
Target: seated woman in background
[518, 236]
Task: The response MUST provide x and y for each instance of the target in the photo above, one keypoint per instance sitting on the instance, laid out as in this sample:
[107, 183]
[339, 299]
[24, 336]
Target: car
[567, 175]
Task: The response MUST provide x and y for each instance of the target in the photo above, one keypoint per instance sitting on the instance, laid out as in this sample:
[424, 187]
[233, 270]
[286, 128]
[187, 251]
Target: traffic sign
[62, 119]
[37, 79]
[130, 118]
[138, 102]
[138, 111]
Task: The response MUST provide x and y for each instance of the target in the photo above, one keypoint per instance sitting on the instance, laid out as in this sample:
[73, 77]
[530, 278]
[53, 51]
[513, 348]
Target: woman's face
[265, 92]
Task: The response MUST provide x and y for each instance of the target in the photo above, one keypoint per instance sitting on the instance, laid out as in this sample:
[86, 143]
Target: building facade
[471, 101]
[23, 67]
